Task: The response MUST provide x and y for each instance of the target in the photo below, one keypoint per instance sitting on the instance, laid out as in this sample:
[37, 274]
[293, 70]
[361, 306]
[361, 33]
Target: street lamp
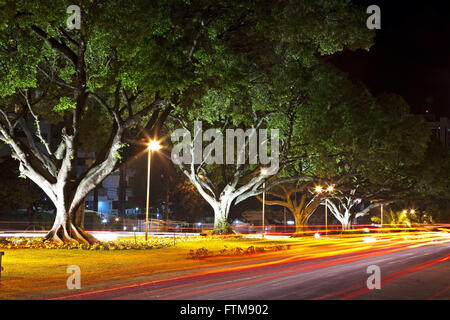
[264, 172]
[329, 189]
[153, 145]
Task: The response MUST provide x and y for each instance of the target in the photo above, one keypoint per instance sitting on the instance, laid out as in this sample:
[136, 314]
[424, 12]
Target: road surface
[419, 270]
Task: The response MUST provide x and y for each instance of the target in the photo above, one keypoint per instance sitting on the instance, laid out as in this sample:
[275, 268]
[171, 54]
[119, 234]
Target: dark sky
[411, 55]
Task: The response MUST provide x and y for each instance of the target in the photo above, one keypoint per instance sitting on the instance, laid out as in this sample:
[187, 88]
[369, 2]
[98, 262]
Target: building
[108, 191]
[440, 129]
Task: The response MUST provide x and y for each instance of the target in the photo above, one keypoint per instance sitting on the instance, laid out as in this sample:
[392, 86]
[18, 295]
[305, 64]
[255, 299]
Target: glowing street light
[153, 145]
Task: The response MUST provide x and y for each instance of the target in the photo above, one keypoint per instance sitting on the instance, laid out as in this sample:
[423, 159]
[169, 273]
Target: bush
[119, 244]
[237, 251]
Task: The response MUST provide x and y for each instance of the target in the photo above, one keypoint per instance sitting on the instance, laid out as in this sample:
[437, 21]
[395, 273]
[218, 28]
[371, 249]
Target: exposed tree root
[69, 233]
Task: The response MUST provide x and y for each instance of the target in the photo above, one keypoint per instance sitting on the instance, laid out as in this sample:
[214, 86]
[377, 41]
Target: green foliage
[65, 103]
[402, 217]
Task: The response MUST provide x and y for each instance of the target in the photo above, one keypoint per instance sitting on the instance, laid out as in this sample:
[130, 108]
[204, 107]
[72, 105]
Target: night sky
[411, 55]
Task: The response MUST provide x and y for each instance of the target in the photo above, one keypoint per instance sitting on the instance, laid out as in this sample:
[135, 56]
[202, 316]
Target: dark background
[411, 55]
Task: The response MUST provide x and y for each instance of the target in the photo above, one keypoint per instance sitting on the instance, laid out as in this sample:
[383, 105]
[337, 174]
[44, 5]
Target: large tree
[101, 86]
[267, 88]
[395, 160]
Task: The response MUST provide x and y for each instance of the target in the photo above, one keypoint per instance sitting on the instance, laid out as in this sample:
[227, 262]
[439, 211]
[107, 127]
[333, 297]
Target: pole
[148, 192]
[284, 212]
[167, 206]
[381, 215]
[326, 217]
[264, 200]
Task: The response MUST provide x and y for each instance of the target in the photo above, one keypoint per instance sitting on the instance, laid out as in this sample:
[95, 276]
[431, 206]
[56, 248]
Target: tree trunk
[346, 225]
[66, 230]
[79, 215]
[301, 224]
[346, 220]
[220, 215]
[221, 210]
[166, 207]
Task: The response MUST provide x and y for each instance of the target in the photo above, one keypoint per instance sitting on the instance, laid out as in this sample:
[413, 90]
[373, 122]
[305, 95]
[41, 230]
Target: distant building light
[124, 228]
[134, 228]
[290, 222]
[199, 224]
[104, 221]
[317, 235]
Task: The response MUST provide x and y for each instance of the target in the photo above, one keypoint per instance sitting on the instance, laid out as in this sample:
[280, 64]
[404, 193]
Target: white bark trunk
[220, 214]
[65, 230]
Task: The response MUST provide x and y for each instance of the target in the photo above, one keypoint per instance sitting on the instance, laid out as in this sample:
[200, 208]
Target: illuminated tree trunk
[301, 223]
[65, 228]
[221, 211]
[301, 209]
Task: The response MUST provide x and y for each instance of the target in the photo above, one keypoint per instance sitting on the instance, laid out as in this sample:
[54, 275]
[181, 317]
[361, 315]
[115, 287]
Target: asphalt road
[407, 272]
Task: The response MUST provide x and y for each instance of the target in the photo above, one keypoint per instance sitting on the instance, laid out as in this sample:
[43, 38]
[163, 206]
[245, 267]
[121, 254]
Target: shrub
[237, 251]
[119, 244]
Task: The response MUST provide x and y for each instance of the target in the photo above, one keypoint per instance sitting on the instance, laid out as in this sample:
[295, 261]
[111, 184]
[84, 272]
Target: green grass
[30, 271]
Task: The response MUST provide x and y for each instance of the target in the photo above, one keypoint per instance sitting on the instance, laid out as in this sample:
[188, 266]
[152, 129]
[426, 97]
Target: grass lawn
[29, 272]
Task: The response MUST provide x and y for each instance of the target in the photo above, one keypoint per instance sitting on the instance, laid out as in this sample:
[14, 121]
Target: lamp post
[153, 145]
[381, 216]
[329, 189]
